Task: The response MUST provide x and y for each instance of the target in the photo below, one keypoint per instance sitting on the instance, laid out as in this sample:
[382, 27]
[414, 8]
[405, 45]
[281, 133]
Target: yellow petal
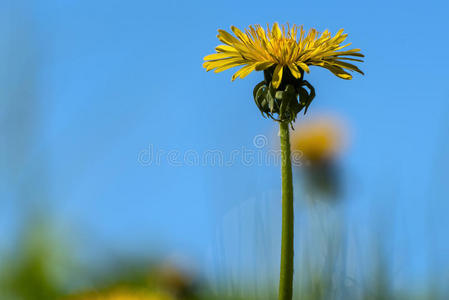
[225, 48]
[337, 35]
[294, 69]
[228, 66]
[337, 71]
[347, 58]
[345, 65]
[277, 76]
[303, 66]
[261, 32]
[224, 64]
[263, 65]
[352, 52]
[268, 31]
[226, 37]
[276, 31]
[218, 56]
[243, 72]
[341, 47]
[239, 34]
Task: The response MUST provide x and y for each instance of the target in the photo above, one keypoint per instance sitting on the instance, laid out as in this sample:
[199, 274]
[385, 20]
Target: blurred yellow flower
[319, 139]
[124, 295]
[280, 47]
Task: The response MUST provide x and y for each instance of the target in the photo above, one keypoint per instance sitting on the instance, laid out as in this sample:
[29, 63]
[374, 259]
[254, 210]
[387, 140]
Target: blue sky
[113, 77]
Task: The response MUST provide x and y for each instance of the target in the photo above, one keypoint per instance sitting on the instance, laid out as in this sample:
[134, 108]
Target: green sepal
[257, 88]
[271, 98]
[279, 95]
[311, 95]
[284, 103]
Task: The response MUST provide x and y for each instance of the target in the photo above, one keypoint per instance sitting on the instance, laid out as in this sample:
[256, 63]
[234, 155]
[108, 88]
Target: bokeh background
[91, 91]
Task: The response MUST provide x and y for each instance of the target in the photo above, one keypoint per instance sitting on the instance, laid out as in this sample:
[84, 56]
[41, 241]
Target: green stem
[286, 276]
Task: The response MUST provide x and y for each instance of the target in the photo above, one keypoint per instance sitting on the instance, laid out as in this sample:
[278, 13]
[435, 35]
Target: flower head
[282, 50]
[320, 140]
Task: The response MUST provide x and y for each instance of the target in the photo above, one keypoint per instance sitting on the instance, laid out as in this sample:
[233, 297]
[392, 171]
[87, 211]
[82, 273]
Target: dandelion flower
[284, 53]
[281, 49]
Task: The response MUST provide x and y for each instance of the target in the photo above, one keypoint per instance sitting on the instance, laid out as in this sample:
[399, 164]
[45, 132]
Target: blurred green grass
[41, 266]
